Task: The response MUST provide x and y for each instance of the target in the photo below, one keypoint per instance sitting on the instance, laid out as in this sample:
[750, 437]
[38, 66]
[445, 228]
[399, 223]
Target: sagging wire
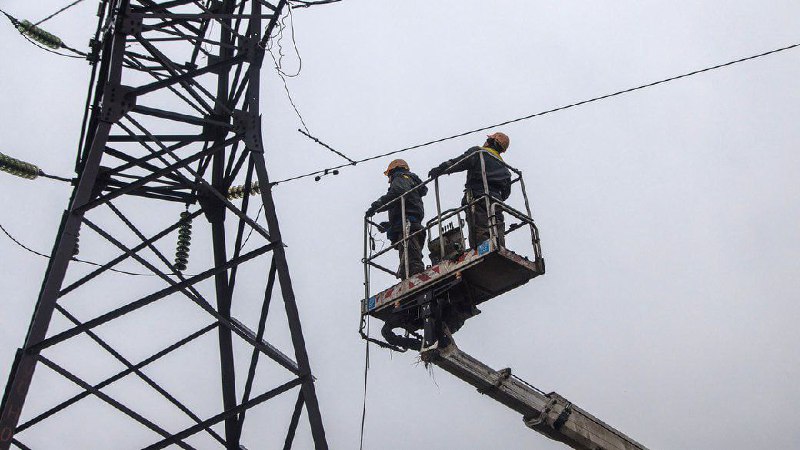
[276, 38]
[541, 113]
[364, 330]
[289, 95]
[92, 263]
[286, 88]
[365, 325]
[30, 171]
[366, 378]
[278, 41]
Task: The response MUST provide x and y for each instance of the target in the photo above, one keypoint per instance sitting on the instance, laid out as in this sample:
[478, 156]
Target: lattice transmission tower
[141, 351]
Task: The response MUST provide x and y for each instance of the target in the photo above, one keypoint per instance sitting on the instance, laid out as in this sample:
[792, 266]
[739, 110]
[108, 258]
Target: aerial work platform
[443, 296]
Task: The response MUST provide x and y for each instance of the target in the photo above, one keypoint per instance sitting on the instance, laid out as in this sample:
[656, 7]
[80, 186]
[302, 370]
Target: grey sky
[668, 217]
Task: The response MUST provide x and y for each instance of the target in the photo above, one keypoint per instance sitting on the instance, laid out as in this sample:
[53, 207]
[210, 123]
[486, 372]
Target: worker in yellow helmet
[498, 179]
[402, 182]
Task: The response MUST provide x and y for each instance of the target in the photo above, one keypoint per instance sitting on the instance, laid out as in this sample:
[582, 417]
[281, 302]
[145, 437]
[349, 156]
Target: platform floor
[483, 273]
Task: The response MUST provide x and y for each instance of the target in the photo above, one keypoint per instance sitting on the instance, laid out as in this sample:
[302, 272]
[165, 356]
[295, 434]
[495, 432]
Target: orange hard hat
[395, 164]
[501, 138]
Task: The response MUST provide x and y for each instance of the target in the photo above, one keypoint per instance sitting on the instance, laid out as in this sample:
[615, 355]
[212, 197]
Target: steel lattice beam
[174, 119]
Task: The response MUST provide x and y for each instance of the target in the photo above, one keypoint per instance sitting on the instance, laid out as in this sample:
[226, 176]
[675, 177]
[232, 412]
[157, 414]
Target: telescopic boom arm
[549, 414]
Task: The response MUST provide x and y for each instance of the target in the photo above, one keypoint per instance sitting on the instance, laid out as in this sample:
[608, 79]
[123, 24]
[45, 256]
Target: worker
[498, 179]
[403, 181]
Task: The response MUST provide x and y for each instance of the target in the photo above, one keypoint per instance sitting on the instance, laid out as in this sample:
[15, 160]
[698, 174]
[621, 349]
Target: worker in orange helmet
[402, 182]
[498, 180]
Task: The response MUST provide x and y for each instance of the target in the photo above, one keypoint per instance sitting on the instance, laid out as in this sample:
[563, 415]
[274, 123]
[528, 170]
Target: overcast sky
[669, 217]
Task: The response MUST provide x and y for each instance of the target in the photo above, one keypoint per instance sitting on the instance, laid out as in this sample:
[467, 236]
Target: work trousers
[415, 244]
[478, 222]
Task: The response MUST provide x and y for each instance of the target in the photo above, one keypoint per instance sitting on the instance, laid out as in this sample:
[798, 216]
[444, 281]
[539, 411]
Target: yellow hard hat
[395, 164]
[501, 138]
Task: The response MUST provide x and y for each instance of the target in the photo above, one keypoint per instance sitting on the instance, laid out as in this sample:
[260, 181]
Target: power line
[79, 56]
[542, 113]
[58, 12]
[326, 146]
[20, 244]
[258, 215]
[305, 4]
[54, 177]
[277, 40]
[278, 61]
[40, 38]
[288, 94]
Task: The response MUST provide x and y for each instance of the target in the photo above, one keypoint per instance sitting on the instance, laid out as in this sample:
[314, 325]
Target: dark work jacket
[401, 181]
[498, 176]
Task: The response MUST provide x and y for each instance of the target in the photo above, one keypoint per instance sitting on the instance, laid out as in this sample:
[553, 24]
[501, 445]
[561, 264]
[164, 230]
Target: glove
[383, 227]
[370, 211]
[435, 172]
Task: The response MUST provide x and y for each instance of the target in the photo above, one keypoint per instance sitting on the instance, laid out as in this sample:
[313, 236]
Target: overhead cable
[258, 215]
[288, 93]
[277, 40]
[277, 37]
[49, 50]
[305, 4]
[25, 247]
[41, 38]
[58, 12]
[541, 113]
[364, 401]
[352, 162]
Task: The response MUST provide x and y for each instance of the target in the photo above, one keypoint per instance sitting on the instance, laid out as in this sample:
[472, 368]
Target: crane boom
[549, 414]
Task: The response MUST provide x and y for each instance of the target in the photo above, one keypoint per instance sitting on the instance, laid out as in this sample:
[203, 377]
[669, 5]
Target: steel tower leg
[202, 59]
